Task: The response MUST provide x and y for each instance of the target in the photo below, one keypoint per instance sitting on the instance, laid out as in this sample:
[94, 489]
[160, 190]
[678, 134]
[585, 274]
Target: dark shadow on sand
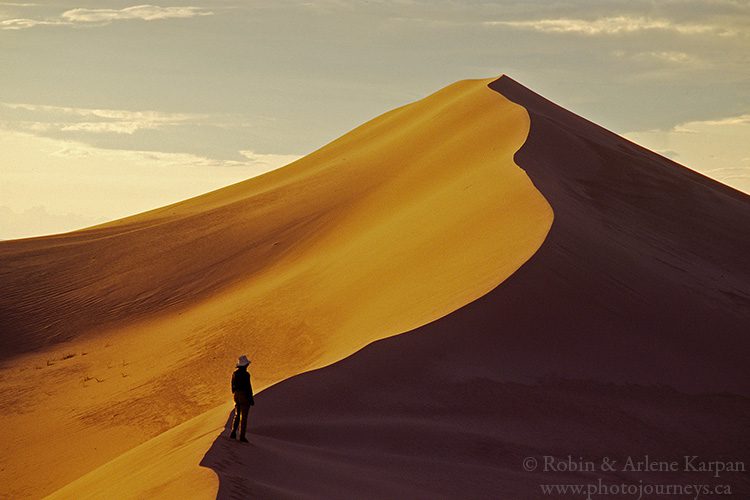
[618, 337]
[317, 436]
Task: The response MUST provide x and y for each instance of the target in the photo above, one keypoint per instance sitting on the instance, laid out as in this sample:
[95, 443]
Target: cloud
[260, 162]
[213, 135]
[104, 113]
[731, 125]
[103, 17]
[142, 12]
[733, 120]
[616, 25]
[257, 162]
[96, 184]
[717, 148]
[270, 161]
[661, 64]
[106, 127]
[21, 24]
[668, 56]
[46, 118]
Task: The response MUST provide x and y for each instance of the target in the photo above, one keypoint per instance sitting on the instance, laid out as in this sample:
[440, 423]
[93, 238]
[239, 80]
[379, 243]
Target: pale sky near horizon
[109, 108]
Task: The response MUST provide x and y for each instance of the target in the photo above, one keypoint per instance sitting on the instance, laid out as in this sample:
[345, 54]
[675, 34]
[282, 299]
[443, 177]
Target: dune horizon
[467, 280]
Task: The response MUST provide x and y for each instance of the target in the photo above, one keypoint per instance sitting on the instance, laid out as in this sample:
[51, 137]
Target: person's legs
[243, 411]
[236, 421]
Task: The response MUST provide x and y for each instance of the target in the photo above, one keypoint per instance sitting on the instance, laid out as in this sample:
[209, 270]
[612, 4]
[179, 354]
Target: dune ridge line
[396, 224]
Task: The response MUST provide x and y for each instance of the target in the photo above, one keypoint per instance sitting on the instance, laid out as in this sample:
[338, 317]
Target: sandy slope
[624, 335]
[112, 335]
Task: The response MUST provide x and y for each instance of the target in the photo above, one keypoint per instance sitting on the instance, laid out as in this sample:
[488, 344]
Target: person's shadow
[226, 458]
[276, 432]
[299, 446]
[231, 460]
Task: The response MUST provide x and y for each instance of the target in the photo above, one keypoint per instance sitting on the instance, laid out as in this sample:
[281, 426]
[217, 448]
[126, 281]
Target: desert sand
[617, 328]
[625, 334]
[117, 341]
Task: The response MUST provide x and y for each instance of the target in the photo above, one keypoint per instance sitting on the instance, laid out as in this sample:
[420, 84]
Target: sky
[109, 108]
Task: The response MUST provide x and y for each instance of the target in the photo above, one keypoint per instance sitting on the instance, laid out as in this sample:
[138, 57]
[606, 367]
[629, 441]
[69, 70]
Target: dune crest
[624, 335]
[403, 220]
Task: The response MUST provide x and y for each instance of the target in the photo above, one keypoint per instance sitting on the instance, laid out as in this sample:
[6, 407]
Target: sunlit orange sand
[135, 323]
[618, 329]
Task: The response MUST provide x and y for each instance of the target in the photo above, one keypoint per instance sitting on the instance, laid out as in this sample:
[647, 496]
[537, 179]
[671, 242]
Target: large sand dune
[115, 334]
[625, 334]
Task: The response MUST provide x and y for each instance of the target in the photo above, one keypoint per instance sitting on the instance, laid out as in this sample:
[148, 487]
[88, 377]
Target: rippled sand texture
[133, 325]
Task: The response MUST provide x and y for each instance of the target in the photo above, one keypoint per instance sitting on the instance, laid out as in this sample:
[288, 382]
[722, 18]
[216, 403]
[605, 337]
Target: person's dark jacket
[241, 384]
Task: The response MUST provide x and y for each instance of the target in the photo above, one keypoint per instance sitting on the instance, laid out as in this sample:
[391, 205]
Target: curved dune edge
[623, 335]
[396, 224]
[163, 467]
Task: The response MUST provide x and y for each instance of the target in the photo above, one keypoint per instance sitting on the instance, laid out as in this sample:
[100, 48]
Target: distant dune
[619, 328]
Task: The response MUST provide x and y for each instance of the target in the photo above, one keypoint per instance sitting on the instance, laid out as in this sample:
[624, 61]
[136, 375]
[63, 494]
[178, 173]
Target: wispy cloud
[21, 24]
[259, 162]
[53, 173]
[143, 12]
[616, 25]
[269, 161]
[738, 125]
[138, 130]
[661, 64]
[45, 118]
[158, 159]
[668, 56]
[732, 120]
[65, 148]
[718, 147]
[730, 124]
[102, 17]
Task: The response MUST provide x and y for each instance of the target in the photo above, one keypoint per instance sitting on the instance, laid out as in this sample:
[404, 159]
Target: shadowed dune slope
[625, 334]
[132, 326]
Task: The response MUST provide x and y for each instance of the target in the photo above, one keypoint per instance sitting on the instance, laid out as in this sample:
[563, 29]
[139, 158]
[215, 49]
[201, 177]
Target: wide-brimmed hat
[243, 361]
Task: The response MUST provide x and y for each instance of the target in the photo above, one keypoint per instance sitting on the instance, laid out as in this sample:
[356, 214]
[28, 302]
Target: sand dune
[625, 334]
[115, 334]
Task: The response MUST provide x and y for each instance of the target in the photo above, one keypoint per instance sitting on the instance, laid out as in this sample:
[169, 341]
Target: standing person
[243, 397]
